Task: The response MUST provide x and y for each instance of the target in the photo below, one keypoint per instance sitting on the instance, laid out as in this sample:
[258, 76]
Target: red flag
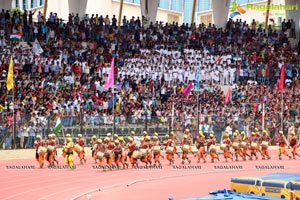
[281, 80]
[228, 96]
[187, 90]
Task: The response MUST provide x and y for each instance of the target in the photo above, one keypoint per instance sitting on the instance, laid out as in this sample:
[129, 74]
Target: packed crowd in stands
[154, 63]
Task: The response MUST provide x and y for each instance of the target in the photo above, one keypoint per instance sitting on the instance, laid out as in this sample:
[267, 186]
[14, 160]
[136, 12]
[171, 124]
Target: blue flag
[197, 84]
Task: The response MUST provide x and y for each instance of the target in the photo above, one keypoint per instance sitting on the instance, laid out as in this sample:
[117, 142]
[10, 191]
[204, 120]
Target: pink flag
[228, 96]
[281, 80]
[110, 80]
[187, 90]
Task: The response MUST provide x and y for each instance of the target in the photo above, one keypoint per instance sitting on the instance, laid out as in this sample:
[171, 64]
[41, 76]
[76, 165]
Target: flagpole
[173, 109]
[281, 111]
[197, 112]
[114, 115]
[14, 120]
[263, 115]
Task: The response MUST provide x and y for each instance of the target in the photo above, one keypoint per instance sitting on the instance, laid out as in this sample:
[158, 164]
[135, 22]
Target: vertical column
[13, 4]
[149, 10]
[220, 12]
[294, 14]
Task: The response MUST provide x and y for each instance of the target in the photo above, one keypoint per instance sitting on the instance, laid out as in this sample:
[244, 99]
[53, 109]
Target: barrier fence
[23, 133]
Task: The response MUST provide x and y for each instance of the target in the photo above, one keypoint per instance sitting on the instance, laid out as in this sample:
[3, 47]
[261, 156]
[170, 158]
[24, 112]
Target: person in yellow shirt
[69, 159]
[118, 107]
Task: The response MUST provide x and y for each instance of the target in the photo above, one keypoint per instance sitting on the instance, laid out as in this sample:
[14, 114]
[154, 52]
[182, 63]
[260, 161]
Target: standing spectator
[31, 135]
[114, 21]
[293, 29]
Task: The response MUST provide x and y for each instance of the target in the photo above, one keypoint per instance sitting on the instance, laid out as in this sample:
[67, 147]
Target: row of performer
[114, 151]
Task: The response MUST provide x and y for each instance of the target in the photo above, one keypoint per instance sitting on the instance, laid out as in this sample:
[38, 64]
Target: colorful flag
[228, 96]
[281, 81]
[37, 49]
[16, 36]
[218, 60]
[10, 75]
[58, 126]
[110, 80]
[187, 90]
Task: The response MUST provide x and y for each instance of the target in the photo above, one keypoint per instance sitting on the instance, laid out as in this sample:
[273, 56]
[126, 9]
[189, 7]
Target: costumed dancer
[253, 146]
[117, 152]
[244, 144]
[174, 139]
[264, 140]
[132, 150]
[236, 141]
[146, 150]
[293, 144]
[56, 143]
[40, 150]
[211, 142]
[123, 158]
[109, 147]
[282, 142]
[170, 149]
[226, 143]
[51, 150]
[200, 144]
[69, 158]
[258, 140]
[185, 143]
[81, 152]
[190, 141]
[99, 151]
[156, 150]
[65, 143]
[93, 148]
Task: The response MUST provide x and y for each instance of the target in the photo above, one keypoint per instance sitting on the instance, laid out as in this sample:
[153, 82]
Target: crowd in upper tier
[154, 64]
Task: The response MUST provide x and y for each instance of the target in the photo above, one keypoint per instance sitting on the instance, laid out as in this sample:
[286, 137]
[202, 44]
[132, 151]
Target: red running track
[131, 184]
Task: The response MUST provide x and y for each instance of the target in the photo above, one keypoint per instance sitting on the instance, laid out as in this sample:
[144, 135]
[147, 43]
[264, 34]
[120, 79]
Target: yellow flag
[10, 75]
